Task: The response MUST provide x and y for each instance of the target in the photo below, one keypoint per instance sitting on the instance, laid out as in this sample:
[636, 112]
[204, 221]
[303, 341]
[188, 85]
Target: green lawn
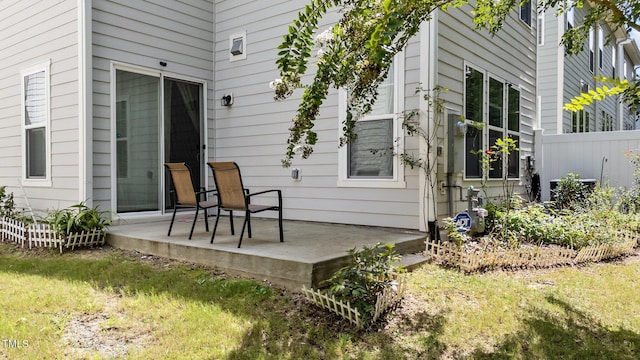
[108, 303]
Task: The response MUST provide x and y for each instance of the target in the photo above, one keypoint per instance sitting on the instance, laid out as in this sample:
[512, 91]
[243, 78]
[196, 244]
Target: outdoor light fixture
[227, 100]
[163, 63]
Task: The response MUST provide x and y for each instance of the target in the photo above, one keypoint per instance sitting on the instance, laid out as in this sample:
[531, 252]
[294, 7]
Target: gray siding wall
[550, 74]
[253, 132]
[33, 33]
[142, 34]
[570, 72]
[510, 55]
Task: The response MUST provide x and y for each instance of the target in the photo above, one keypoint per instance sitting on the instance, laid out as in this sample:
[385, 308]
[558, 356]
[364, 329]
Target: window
[613, 62]
[502, 120]
[606, 122]
[570, 14]
[122, 138]
[592, 45]
[541, 28]
[600, 48]
[525, 12]
[580, 121]
[371, 153]
[35, 91]
[370, 159]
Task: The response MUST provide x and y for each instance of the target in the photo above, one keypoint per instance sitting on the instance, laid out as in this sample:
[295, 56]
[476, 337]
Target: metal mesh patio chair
[232, 196]
[184, 195]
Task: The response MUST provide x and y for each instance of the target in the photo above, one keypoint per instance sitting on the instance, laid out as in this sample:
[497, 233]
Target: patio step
[412, 261]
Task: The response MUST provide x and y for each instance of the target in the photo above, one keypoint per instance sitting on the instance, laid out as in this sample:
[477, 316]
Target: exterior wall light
[227, 100]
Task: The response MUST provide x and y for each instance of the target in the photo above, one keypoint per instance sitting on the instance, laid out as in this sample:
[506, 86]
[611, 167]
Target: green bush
[373, 270]
[76, 219]
[570, 192]
[7, 204]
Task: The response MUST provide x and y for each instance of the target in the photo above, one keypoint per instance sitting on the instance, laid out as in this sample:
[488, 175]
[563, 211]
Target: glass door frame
[161, 75]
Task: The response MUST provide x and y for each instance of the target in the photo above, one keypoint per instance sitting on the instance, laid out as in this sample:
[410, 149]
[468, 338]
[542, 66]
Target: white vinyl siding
[143, 35]
[254, 130]
[41, 35]
[510, 56]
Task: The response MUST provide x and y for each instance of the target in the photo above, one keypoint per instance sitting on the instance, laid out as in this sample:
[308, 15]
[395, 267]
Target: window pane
[496, 102]
[514, 159]
[384, 101]
[36, 153]
[140, 189]
[122, 153]
[525, 12]
[35, 98]
[371, 153]
[473, 150]
[473, 94]
[496, 166]
[514, 109]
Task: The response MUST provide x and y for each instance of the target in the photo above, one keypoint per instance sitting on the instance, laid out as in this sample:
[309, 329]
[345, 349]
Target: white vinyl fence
[597, 155]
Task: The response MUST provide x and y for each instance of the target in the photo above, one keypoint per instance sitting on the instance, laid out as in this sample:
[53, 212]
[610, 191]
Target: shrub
[76, 219]
[570, 192]
[372, 272]
[7, 205]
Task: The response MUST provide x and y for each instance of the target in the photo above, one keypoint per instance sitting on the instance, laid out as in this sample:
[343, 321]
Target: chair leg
[249, 223]
[172, 218]
[246, 219]
[215, 227]
[231, 222]
[195, 218]
[206, 219]
[280, 224]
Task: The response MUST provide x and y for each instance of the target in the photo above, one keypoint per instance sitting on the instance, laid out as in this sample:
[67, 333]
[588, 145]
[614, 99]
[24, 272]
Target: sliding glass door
[154, 124]
[182, 116]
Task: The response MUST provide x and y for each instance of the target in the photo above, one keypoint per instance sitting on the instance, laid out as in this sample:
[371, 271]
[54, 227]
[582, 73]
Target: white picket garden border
[387, 299]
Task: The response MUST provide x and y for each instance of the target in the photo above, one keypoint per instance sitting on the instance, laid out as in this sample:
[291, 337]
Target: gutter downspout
[85, 102]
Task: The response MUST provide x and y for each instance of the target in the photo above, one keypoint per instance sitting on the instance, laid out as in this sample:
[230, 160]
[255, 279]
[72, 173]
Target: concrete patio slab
[310, 253]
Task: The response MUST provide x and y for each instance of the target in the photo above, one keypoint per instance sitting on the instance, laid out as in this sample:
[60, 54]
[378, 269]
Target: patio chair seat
[233, 196]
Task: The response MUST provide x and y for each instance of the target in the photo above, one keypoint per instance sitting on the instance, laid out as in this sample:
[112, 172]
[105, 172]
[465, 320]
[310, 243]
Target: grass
[108, 303]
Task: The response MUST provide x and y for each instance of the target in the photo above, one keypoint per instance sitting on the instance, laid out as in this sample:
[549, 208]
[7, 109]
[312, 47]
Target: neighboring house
[96, 95]
[561, 77]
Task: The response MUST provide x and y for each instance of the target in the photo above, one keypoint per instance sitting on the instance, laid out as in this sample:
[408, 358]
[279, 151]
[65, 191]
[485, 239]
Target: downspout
[85, 102]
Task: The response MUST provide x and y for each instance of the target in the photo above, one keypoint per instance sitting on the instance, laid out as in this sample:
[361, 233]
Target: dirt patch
[101, 333]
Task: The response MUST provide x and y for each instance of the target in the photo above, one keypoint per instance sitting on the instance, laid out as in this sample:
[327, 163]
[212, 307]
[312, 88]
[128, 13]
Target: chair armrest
[205, 192]
[265, 192]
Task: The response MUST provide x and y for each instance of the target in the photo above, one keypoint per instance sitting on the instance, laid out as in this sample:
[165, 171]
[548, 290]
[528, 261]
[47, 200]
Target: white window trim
[570, 14]
[591, 39]
[600, 33]
[343, 154]
[530, 24]
[46, 181]
[541, 27]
